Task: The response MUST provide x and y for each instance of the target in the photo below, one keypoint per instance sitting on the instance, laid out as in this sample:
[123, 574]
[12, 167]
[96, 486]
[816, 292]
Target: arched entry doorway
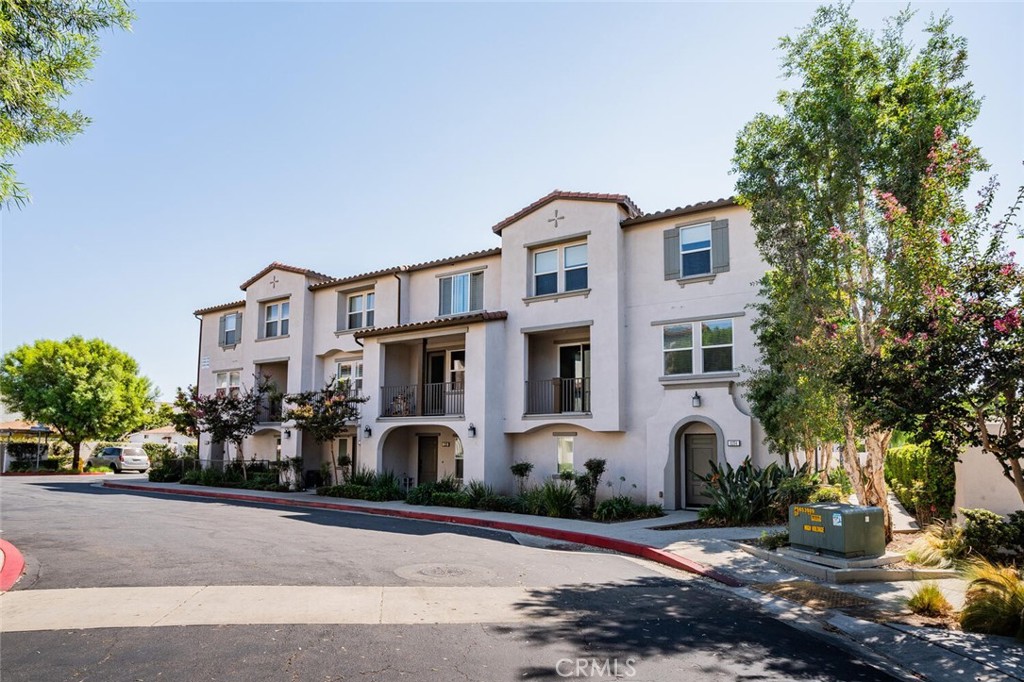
[698, 443]
[422, 453]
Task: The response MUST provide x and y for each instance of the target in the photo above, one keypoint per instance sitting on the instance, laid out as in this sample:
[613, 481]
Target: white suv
[121, 458]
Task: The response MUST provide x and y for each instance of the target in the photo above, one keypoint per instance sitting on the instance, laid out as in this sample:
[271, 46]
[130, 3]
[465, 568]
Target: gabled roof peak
[287, 268]
[621, 199]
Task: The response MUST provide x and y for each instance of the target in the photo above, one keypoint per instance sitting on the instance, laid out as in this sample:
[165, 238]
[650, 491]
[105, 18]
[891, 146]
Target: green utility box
[843, 530]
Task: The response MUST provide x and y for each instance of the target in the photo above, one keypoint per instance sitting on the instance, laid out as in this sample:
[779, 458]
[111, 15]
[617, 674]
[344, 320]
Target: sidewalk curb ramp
[622, 546]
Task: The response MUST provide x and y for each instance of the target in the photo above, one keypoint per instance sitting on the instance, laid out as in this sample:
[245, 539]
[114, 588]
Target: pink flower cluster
[945, 237]
[893, 208]
[1008, 322]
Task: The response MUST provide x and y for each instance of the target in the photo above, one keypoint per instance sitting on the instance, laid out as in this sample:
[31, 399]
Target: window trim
[232, 385]
[354, 376]
[711, 256]
[451, 277]
[281, 319]
[367, 309]
[697, 346]
[559, 248]
[561, 466]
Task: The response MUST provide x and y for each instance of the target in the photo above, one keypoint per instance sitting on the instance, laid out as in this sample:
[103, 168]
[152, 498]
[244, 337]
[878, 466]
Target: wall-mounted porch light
[472, 431]
[695, 400]
[367, 431]
[287, 433]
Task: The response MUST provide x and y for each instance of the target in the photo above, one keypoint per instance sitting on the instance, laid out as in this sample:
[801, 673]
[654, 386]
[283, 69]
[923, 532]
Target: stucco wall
[980, 484]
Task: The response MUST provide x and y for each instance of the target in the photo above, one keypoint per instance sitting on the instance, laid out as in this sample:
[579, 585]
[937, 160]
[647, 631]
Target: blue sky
[348, 137]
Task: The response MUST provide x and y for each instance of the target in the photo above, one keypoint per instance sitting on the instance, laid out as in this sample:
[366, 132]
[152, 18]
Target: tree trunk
[1018, 476]
[76, 461]
[826, 462]
[877, 443]
[334, 462]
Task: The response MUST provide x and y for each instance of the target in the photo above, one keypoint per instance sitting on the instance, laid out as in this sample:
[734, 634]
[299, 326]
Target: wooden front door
[427, 469]
[701, 450]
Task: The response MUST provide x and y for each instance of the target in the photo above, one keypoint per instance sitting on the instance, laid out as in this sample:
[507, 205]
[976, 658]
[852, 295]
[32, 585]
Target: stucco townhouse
[594, 330]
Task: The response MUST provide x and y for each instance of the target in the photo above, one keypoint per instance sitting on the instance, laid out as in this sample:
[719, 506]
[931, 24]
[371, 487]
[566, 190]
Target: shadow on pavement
[652, 617]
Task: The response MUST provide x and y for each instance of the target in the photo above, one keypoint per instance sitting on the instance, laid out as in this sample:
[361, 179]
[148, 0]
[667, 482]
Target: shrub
[521, 470]
[158, 453]
[774, 539]
[623, 508]
[445, 499]
[839, 477]
[988, 535]
[928, 600]
[448, 484]
[587, 484]
[559, 499]
[191, 451]
[532, 502]
[352, 491]
[366, 477]
[477, 490]
[995, 600]
[941, 546]
[421, 494]
[923, 479]
[499, 503]
[825, 494]
[748, 494]
[794, 487]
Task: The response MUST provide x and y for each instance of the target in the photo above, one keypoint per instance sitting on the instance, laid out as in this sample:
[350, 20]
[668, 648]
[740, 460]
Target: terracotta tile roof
[408, 268]
[355, 278]
[680, 211]
[455, 259]
[287, 268]
[620, 199]
[439, 323]
[222, 306]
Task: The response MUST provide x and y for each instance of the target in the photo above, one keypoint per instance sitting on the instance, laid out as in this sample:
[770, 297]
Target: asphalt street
[258, 593]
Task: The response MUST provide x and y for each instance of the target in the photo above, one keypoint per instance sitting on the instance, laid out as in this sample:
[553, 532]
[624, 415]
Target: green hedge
[923, 478]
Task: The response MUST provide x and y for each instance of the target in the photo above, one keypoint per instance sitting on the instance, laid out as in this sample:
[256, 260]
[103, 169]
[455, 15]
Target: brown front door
[700, 449]
[427, 469]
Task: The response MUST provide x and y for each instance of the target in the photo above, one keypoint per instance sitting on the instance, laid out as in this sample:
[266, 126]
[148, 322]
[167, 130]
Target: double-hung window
[695, 250]
[349, 376]
[360, 310]
[565, 451]
[229, 383]
[560, 269]
[713, 354]
[461, 293]
[275, 319]
[230, 329]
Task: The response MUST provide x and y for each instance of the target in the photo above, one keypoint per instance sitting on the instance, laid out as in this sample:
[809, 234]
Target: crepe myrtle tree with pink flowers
[952, 368]
[848, 190]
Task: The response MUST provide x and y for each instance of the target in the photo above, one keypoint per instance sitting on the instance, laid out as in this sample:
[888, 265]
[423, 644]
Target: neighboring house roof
[485, 316]
[222, 306]
[287, 268]
[680, 211]
[161, 431]
[22, 426]
[621, 199]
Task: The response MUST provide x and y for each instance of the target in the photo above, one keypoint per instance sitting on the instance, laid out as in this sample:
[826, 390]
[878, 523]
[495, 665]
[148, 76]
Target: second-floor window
[360, 310]
[275, 319]
[349, 376]
[695, 250]
[715, 347]
[230, 329]
[560, 269]
[461, 293]
[229, 383]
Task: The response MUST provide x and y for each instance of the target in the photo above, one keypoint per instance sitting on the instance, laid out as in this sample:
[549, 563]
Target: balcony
[271, 410]
[558, 396]
[423, 400]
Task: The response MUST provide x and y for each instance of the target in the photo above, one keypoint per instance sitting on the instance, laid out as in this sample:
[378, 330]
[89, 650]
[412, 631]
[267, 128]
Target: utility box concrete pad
[843, 530]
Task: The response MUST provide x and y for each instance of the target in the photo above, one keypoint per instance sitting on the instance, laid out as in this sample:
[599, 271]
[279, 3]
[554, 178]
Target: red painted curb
[54, 473]
[624, 546]
[13, 566]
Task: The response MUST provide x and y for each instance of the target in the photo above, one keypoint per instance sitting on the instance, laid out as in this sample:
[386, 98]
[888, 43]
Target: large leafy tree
[46, 48]
[819, 178]
[85, 389]
[325, 414]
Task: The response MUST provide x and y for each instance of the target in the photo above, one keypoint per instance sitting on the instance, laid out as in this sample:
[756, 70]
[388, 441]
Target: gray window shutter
[446, 296]
[222, 329]
[476, 291]
[238, 327]
[672, 253]
[720, 246]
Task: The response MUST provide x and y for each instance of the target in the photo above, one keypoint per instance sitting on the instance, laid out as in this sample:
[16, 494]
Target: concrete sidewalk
[714, 553]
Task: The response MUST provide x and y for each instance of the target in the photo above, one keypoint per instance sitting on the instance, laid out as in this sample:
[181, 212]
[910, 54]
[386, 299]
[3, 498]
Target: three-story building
[593, 331]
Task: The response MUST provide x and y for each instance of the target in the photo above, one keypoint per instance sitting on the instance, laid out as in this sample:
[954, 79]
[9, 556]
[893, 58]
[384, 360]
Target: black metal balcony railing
[271, 410]
[558, 396]
[415, 400]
